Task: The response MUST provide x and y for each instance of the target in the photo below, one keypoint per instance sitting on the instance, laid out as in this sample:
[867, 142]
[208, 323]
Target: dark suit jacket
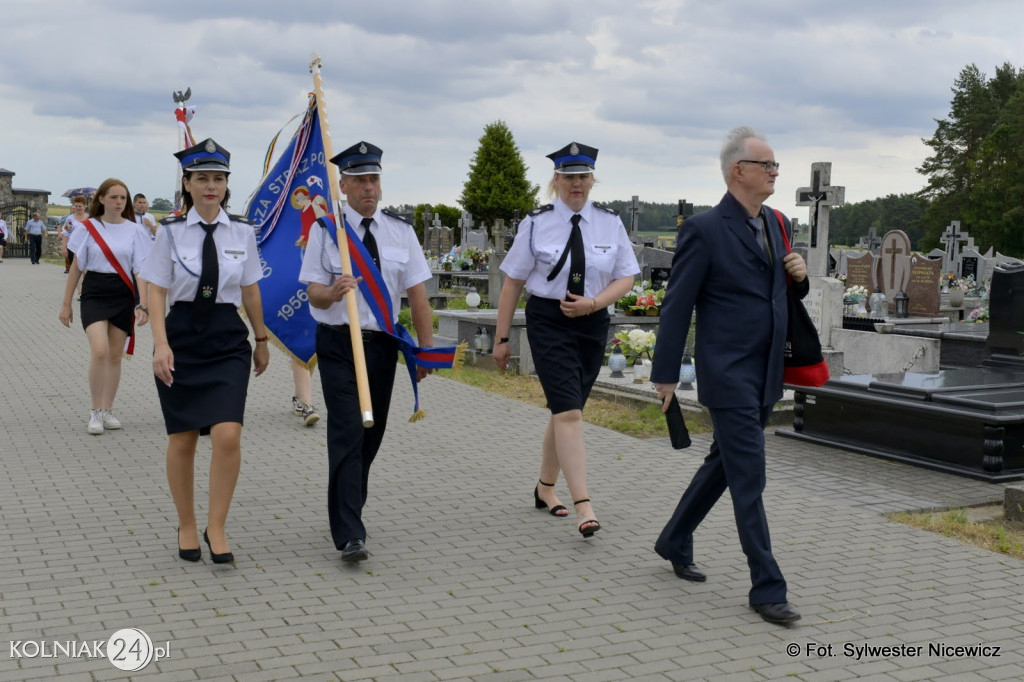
[740, 301]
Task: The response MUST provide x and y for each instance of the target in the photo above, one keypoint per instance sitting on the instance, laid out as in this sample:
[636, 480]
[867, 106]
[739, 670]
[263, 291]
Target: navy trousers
[350, 447]
[736, 462]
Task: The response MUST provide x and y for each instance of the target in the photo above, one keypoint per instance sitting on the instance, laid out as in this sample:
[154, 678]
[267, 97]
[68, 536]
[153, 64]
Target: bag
[803, 361]
[677, 431]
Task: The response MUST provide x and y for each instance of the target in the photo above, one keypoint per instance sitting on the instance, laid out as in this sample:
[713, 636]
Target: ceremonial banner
[289, 199]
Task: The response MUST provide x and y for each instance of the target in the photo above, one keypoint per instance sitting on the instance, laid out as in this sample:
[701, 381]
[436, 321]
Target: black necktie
[370, 242]
[206, 295]
[578, 264]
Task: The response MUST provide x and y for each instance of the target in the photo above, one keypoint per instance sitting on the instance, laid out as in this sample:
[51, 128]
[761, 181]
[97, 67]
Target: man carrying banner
[397, 265]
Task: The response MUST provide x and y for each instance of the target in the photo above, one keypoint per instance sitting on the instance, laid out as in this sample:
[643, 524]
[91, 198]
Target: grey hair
[735, 147]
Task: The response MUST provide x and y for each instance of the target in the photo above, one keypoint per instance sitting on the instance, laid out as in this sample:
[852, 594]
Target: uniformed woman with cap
[204, 264]
[575, 259]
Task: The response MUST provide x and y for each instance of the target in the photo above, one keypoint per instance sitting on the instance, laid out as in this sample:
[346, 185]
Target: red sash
[116, 264]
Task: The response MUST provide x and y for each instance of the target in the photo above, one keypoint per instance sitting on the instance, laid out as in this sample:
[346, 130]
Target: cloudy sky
[85, 87]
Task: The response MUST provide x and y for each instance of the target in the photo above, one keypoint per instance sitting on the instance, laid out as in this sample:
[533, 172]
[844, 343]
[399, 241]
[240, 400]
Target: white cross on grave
[820, 197]
[952, 238]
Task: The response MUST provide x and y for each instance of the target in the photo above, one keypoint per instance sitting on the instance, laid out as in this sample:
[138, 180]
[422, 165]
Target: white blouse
[176, 259]
[128, 241]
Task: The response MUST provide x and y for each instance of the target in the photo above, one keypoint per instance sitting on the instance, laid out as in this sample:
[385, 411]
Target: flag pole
[358, 353]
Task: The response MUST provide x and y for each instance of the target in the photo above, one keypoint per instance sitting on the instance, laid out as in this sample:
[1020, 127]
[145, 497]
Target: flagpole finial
[314, 61]
[181, 97]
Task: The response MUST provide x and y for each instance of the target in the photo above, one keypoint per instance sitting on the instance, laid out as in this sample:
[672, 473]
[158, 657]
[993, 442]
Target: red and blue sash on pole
[375, 293]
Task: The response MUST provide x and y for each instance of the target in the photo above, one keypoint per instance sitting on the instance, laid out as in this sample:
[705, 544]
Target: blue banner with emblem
[293, 194]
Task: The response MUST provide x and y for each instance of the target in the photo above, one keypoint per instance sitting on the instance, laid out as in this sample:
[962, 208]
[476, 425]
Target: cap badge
[362, 148]
[210, 146]
[574, 150]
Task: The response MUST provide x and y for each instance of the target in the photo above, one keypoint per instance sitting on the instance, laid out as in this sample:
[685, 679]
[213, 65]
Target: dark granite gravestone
[659, 277]
[1006, 311]
[969, 266]
[923, 286]
[966, 421]
[860, 271]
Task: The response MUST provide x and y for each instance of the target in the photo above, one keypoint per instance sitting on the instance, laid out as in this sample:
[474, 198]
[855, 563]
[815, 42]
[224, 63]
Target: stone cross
[820, 198]
[952, 238]
[634, 217]
[466, 223]
[874, 241]
[894, 264]
[499, 231]
[428, 218]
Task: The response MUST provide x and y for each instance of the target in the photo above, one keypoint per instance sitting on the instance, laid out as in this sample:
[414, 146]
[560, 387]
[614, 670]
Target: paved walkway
[466, 580]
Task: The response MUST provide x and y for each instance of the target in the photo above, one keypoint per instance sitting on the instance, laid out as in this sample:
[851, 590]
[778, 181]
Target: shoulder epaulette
[235, 218]
[606, 209]
[171, 219]
[396, 216]
[542, 209]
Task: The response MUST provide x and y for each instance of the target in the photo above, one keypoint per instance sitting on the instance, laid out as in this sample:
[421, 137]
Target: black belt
[367, 334]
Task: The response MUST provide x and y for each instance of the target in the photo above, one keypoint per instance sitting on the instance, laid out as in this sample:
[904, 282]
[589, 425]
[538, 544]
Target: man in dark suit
[730, 264]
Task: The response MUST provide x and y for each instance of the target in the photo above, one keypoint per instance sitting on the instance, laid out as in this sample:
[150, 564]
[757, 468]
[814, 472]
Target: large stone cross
[466, 224]
[635, 209]
[952, 238]
[820, 197]
[685, 211]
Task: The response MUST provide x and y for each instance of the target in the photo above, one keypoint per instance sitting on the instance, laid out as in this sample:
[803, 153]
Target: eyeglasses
[768, 166]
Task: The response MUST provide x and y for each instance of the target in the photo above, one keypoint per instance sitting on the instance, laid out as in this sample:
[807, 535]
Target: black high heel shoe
[225, 558]
[541, 504]
[592, 526]
[188, 554]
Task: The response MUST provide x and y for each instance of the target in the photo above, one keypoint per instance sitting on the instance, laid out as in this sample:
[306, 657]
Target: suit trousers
[35, 247]
[350, 447]
[737, 462]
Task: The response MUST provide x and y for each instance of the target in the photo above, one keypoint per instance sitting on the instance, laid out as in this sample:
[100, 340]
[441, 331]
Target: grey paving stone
[466, 580]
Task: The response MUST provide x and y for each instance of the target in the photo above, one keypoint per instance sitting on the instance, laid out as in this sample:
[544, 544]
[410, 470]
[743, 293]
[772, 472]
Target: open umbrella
[86, 192]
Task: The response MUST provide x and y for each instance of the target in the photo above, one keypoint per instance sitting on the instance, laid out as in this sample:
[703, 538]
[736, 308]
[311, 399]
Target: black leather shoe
[689, 572]
[777, 613]
[189, 554]
[223, 557]
[354, 552]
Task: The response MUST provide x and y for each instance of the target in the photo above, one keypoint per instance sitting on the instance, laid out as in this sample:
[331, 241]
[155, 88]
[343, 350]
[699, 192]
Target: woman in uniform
[204, 264]
[110, 248]
[574, 259]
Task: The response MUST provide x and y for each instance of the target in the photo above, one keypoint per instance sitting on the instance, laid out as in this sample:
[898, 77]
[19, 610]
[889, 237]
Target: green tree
[162, 205]
[497, 184]
[975, 173]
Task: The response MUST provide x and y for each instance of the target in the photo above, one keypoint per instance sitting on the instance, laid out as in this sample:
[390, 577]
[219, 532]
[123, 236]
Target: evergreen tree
[497, 184]
[975, 173]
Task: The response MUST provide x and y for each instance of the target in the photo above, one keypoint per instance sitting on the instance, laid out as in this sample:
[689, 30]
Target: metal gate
[15, 214]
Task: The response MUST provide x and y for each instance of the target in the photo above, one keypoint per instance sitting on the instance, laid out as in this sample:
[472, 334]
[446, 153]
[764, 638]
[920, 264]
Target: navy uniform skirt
[567, 351]
[211, 370]
[105, 296]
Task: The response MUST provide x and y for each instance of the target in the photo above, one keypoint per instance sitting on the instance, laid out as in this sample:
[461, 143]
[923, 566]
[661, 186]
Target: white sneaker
[309, 415]
[110, 422]
[297, 406]
[95, 422]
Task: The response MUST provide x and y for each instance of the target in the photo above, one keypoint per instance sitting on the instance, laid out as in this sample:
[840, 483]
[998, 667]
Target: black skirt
[567, 351]
[211, 370]
[105, 296]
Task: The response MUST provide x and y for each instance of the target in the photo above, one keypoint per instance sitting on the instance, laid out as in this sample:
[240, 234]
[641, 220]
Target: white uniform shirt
[542, 238]
[176, 260]
[402, 264]
[140, 218]
[128, 241]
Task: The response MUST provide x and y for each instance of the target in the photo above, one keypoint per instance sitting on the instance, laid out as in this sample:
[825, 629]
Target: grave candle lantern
[902, 304]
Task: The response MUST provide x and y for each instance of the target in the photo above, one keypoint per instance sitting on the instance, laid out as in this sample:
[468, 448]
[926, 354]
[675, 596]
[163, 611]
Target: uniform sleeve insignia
[542, 209]
[396, 216]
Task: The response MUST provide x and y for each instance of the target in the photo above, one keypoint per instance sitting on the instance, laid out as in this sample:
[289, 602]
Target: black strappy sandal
[592, 525]
[541, 504]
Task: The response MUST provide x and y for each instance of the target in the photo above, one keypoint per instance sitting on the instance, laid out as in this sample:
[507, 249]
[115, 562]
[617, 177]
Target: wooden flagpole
[358, 353]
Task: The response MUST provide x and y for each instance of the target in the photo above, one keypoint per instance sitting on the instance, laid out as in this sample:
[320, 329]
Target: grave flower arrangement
[468, 258]
[857, 292]
[634, 343]
[642, 300]
[979, 314]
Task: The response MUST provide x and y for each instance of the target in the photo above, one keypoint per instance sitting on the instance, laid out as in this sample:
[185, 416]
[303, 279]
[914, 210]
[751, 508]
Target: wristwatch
[503, 339]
